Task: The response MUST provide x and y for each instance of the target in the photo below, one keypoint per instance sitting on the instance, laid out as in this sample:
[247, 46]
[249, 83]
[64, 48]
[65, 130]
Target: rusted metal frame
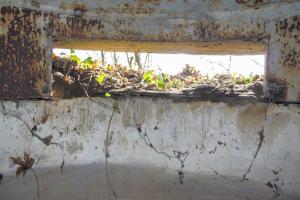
[197, 48]
[23, 59]
[61, 26]
[282, 73]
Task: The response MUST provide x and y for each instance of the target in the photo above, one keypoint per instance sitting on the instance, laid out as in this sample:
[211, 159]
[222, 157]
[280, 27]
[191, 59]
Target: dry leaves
[47, 140]
[24, 164]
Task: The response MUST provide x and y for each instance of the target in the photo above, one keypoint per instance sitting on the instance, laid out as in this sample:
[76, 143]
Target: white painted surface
[200, 128]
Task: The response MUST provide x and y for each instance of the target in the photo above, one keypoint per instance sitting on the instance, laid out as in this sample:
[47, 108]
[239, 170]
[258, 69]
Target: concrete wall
[222, 144]
[221, 141]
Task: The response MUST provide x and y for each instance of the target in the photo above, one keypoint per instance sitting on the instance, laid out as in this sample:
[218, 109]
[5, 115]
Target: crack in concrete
[259, 146]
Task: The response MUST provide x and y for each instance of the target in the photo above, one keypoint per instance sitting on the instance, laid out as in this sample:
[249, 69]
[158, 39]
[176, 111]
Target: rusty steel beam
[207, 48]
[25, 29]
[24, 59]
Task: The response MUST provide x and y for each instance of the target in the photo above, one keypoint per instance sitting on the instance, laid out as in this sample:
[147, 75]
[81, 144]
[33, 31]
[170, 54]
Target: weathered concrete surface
[221, 142]
[132, 182]
[272, 22]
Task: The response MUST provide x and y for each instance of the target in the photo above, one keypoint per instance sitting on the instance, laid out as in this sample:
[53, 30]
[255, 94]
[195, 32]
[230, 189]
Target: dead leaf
[44, 119]
[24, 164]
[47, 140]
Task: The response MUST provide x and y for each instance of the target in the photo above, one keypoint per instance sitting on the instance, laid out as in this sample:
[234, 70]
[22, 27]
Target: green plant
[85, 64]
[148, 77]
[162, 80]
[176, 83]
[109, 67]
[74, 57]
[100, 79]
[107, 94]
[242, 80]
[88, 61]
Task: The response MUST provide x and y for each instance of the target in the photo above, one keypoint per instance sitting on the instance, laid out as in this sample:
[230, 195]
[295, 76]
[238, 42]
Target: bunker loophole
[104, 73]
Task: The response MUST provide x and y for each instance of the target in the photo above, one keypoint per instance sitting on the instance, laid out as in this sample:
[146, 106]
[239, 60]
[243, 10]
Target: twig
[259, 146]
[146, 139]
[114, 109]
[37, 182]
[90, 77]
[46, 140]
[257, 63]
[214, 63]
[107, 155]
[63, 162]
[178, 155]
[98, 103]
[62, 166]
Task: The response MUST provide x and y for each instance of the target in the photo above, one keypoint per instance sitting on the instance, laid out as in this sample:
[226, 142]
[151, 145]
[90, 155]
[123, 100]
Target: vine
[115, 107]
[24, 165]
[259, 146]
[178, 155]
[27, 162]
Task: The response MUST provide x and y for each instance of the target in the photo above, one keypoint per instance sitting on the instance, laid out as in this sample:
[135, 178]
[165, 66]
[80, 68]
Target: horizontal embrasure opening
[212, 77]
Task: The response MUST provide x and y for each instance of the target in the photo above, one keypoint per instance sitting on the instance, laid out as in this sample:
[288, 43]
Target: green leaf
[101, 78]
[107, 94]
[109, 67]
[162, 80]
[164, 77]
[148, 76]
[72, 51]
[161, 84]
[88, 61]
[75, 58]
[175, 83]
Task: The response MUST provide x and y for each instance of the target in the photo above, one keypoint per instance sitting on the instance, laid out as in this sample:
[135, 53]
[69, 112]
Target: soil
[71, 81]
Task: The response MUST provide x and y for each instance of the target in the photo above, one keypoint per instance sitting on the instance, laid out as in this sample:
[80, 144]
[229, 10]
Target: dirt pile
[71, 79]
